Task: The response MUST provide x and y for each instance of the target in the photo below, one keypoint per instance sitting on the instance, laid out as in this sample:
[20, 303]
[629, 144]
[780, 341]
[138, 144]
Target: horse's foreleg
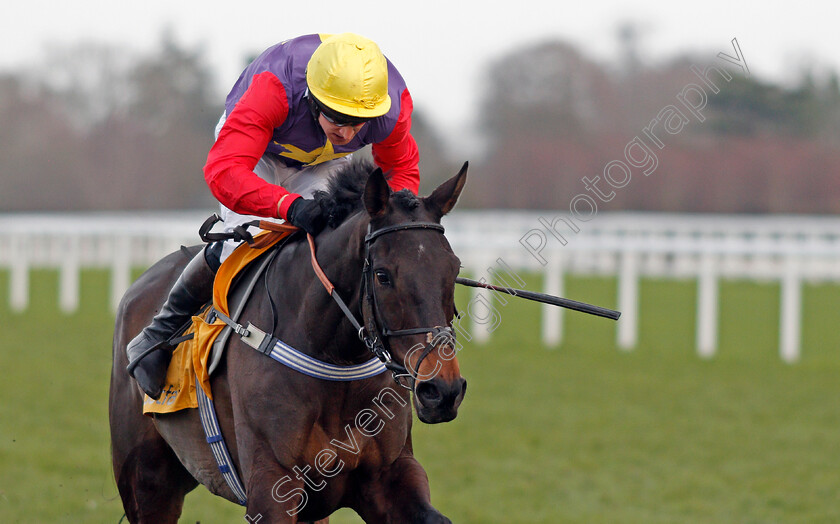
[401, 494]
[274, 495]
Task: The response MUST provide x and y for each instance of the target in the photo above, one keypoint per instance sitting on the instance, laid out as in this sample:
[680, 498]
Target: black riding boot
[193, 289]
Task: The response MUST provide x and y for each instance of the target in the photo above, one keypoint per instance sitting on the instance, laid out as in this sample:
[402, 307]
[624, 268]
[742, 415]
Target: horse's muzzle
[437, 400]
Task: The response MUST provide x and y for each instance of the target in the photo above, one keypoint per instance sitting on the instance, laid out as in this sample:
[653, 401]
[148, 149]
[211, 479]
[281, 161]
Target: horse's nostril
[428, 393]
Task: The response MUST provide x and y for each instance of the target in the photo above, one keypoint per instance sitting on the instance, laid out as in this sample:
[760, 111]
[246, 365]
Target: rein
[267, 344]
[375, 330]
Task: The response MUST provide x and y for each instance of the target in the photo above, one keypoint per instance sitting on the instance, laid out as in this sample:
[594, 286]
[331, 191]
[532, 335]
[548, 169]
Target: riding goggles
[338, 123]
[333, 117]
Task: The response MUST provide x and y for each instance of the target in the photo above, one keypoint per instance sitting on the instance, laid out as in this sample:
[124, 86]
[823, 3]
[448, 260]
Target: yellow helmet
[349, 74]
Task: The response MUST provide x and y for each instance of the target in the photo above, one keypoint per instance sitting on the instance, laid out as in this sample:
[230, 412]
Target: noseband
[374, 332]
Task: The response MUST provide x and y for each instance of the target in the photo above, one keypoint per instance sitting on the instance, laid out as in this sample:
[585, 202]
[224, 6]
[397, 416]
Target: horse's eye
[382, 277]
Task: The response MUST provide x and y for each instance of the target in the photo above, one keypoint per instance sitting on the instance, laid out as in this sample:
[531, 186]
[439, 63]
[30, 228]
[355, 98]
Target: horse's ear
[376, 194]
[443, 199]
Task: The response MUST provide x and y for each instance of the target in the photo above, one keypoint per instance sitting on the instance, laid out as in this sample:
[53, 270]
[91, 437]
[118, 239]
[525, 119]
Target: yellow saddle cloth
[191, 357]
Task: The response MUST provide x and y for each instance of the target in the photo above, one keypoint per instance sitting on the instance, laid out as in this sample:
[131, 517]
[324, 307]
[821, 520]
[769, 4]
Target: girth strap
[283, 353]
[213, 433]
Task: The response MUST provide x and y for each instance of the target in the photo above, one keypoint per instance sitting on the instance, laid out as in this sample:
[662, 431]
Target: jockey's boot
[193, 289]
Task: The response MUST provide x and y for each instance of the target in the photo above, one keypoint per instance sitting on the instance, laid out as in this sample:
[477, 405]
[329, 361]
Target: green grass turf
[579, 433]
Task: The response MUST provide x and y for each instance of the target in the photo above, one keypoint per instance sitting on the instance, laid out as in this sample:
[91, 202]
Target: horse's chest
[370, 440]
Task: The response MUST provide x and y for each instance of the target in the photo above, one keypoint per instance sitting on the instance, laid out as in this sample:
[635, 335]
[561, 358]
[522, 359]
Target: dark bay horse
[304, 447]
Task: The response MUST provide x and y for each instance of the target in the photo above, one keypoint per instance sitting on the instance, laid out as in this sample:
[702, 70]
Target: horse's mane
[343, 195]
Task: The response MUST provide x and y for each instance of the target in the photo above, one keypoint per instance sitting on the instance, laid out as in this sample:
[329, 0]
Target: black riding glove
[306, 214]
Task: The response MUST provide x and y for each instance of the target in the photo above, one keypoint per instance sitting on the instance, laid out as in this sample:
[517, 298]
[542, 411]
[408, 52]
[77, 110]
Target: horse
[303, 446]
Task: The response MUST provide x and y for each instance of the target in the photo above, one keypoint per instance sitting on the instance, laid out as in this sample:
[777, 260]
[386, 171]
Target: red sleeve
[398, 153]
[241, 143]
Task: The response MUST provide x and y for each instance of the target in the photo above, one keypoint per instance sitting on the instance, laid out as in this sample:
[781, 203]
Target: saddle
[202, 344]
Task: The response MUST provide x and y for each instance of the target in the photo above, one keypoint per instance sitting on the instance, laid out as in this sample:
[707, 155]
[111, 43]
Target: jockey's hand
[306, 214]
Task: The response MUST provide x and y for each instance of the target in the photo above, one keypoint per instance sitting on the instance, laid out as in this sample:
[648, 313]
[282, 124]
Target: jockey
[293, 118]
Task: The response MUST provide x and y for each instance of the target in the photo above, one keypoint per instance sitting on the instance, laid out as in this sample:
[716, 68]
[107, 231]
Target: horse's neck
[318, 326]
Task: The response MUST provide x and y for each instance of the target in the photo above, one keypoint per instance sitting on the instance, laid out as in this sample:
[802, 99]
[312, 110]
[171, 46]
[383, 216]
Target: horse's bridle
[376, 328]
[374, 332]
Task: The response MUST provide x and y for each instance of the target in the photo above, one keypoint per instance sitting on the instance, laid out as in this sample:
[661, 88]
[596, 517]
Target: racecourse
[581, 433]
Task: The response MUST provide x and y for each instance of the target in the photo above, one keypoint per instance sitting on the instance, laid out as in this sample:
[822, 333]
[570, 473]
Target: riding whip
[545, 299]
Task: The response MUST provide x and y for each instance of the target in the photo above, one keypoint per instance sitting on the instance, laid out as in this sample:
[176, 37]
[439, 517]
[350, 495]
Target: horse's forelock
[406, 200]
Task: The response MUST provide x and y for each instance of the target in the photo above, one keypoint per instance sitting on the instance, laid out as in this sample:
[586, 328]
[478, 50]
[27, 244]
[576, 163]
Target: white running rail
[491, 244]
